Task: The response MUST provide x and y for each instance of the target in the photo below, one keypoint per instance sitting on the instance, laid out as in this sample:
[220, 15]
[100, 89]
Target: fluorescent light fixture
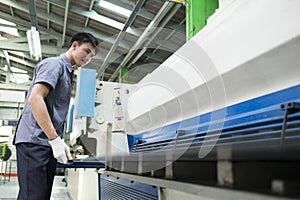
[110, 22]
[34, 43]
[114, 8]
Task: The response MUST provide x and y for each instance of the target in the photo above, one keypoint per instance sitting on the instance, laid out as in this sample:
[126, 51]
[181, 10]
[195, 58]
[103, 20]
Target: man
[40, 129]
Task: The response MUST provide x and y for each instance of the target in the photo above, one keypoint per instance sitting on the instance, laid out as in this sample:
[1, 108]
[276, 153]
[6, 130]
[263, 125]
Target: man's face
[83, 53]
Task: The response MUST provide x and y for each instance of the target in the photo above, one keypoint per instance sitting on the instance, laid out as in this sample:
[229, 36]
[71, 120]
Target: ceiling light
[34, 43]
[114, 8]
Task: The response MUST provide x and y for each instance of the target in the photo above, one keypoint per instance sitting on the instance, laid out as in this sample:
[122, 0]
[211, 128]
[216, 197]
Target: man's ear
[74, 44]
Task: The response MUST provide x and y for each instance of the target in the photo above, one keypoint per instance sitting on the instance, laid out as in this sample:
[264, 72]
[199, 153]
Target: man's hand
[61, 151]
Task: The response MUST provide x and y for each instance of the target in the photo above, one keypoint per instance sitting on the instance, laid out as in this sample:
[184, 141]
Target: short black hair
[83, 37]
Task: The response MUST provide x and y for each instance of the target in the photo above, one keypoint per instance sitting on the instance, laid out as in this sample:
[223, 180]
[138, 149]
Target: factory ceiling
[135, 36]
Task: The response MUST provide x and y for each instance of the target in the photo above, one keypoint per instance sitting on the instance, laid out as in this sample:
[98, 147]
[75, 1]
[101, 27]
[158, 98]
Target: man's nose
[88, 59]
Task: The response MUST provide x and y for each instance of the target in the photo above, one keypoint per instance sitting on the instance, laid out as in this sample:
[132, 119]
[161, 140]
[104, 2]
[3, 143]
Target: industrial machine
[219, 119]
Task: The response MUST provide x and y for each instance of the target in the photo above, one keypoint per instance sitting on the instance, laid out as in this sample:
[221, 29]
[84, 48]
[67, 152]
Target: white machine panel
[248, 49]
[111, 100]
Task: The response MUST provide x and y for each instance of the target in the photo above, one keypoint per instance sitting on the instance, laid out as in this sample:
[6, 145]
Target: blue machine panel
[119, 188]
[70, 118]
[253, 122]
[85, 93]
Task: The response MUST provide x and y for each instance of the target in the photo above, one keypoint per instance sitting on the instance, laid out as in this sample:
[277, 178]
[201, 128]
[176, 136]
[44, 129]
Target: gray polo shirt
[58, 73]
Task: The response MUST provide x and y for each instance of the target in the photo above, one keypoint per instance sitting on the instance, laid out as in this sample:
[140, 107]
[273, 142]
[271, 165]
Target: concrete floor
[9, 189]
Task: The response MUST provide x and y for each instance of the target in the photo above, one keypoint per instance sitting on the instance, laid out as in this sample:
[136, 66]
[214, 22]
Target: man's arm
[39, 109]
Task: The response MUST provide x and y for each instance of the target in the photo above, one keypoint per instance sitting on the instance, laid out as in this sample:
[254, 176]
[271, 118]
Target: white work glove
[61, 151]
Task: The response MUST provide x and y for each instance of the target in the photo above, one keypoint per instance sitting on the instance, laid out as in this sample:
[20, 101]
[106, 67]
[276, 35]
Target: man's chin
[80, 64]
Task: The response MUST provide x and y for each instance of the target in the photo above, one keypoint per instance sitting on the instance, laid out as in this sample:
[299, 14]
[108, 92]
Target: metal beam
[65, 22]
[30, 65]
[24, 39]
[169, 45]
[22, 64]
[8, 66]
[150, 28]
[177, 27]
[6, 57]
[120, 37]
[155, 57]
[13, 26]
[23, 55]
[48, 11]
[161, 25]
[90, 8]
[11, 46]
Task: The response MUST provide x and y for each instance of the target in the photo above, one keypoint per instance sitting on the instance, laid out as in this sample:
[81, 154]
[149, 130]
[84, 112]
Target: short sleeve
[48, 71]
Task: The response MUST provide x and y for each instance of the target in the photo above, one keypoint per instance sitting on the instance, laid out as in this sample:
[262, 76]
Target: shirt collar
[67, 63]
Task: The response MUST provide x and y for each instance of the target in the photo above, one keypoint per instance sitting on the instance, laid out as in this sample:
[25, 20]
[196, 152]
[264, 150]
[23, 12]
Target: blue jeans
[36, 170]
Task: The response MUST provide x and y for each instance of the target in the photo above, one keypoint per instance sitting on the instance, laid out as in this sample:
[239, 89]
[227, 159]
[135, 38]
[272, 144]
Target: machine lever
[289, 108]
